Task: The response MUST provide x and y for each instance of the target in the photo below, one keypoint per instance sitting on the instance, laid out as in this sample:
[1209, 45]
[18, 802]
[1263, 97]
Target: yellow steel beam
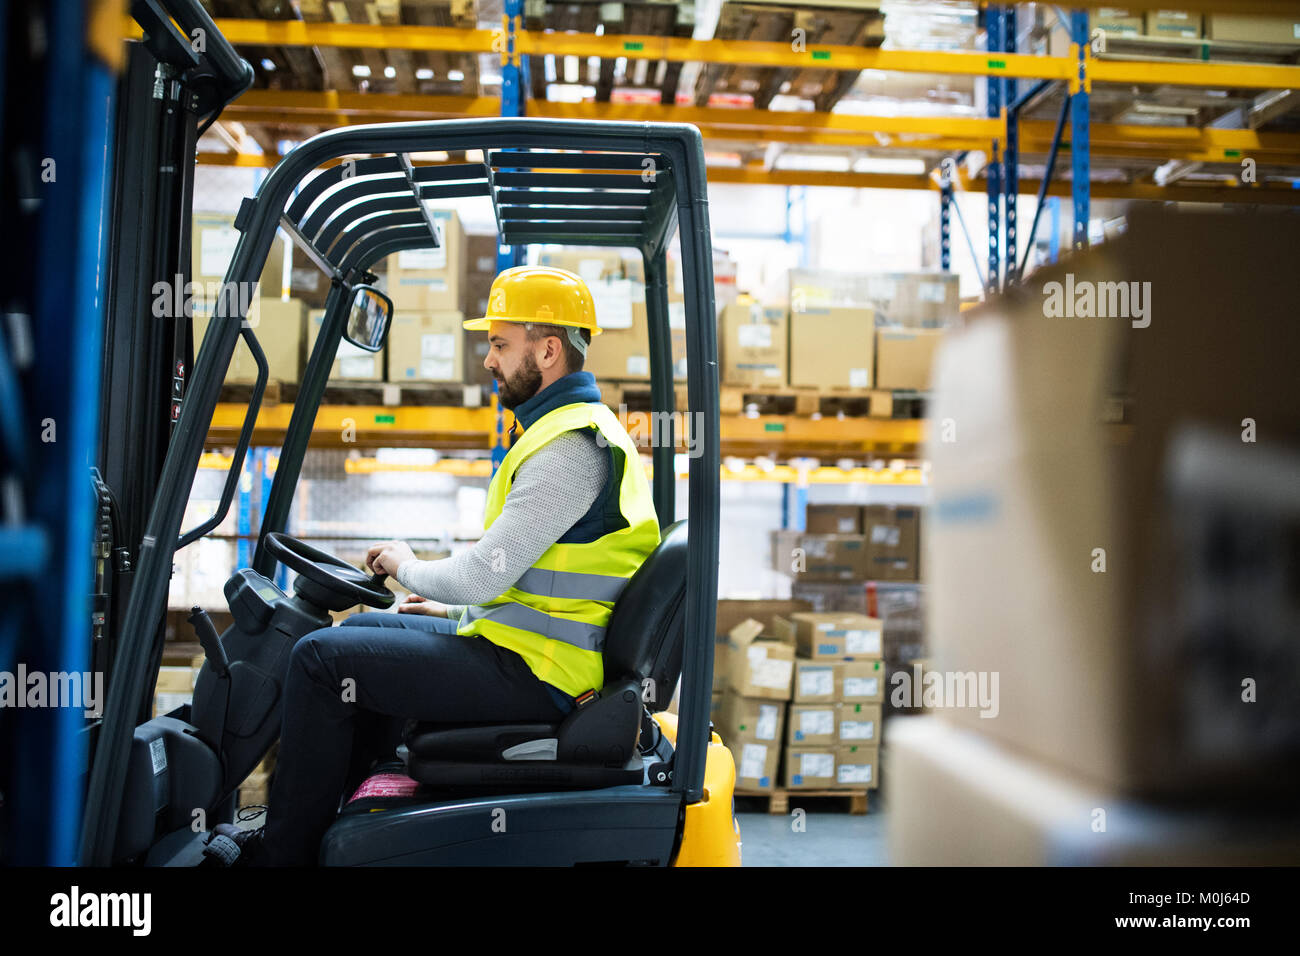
[949, 134]
[1195, 73]
[360, 36]
[1183, 192]
[450, 427]
[752, 53]
[1225, 193]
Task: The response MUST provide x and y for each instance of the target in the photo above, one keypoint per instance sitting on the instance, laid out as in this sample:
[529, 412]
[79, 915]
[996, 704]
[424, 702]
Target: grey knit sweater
[551, 491]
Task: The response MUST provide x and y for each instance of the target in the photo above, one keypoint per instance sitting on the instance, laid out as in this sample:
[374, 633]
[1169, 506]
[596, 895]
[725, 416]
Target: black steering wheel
[325, 580]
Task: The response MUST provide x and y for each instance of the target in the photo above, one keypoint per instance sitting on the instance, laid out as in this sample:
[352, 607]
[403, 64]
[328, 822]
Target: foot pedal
[222, 850]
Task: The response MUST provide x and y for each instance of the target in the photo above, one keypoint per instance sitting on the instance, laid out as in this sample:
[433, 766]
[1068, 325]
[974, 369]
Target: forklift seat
[595, 745]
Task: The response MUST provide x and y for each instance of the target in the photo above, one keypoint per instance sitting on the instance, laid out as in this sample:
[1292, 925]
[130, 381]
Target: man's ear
[554, 351]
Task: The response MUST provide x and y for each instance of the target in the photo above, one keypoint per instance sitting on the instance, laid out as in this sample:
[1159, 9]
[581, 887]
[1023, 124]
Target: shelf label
[774, 426]
[997, 64]
[632, 45]
[821, 54]
[385, 419]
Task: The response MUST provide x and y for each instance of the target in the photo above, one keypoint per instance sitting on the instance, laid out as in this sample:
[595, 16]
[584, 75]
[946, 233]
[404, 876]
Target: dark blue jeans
[349, 690]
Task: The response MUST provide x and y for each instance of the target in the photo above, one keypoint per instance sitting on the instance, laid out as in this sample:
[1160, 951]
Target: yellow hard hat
[539, 294]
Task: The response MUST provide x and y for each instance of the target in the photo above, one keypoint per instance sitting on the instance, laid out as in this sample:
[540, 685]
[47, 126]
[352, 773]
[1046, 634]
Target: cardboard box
[279, 327]
[820, 557]
[425, 347]
[758, 668]
[429, 280]
[809, 768]
[1118, 675]
[1249, 29]
[732, 612]
[834, 348]
[833, 519]
[861, 682]
[591, 264]
[1119, 20]
[351, 364]
[893, 534]
[175, 688]
[1183, 24]
[910, 299]
[759, 720]
[831, 595]
[904, 357]
[858, 724]
[753, 339]
[212, 246]
[957, 798]
[306, 281]
[811, 725]
[621, 353]
[756, 762]
[831, 637]
[719, 665]
[816, 682]
[857, 766]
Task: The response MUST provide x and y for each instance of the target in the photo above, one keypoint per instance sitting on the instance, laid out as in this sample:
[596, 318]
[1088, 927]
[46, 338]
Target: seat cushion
[485, 742]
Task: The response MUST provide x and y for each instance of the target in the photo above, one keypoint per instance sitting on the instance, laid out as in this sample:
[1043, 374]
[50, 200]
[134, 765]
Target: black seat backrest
[646, 631]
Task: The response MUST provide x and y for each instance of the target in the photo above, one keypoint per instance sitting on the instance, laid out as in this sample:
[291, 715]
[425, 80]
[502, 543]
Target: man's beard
[515, 391]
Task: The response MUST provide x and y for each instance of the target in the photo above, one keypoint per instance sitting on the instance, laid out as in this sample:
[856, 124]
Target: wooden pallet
[421, 394]
[241, 393]
[640, 18]
[779, 798]
[802, 400]
[635, 396]
[778, 23]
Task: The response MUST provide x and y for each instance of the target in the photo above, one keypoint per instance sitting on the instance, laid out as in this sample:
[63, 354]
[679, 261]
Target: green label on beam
[631, 45]
[774, 426]
[997, 64]
[821, 54]
[385, 419]
[1232, 153]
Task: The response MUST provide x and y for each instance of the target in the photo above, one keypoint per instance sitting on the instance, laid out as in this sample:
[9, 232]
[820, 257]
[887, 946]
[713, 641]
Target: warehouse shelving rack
[1018, 84]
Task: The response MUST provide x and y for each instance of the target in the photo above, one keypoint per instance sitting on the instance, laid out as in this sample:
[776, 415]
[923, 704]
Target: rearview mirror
[368, 319]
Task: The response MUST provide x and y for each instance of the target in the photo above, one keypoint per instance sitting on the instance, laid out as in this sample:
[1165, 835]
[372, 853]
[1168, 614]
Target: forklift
[619, 781]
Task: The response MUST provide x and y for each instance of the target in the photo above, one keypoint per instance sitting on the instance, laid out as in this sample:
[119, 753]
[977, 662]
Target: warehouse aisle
[828, 839]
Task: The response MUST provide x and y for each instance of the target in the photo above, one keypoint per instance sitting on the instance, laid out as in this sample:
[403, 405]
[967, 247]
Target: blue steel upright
[1011, 155]
[1080, 135]
[61, 401]
[996, 32]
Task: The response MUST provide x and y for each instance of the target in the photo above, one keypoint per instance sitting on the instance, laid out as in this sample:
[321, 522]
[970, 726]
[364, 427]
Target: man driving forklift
[509, 630]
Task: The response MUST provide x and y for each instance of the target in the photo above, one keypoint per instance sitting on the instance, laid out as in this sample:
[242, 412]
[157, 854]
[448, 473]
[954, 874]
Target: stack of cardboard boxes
[427, 286]
[1095, 577]
[800, 705]
[862, 559]
[834, 724]
[1184, 24]
[904, 313]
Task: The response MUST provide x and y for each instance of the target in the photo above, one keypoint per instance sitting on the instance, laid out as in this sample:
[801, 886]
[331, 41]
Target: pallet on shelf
[789, 23]
[276, 392]
[635, 396]
[657, 18]
[779, 798]
[805, 400]
[414, 394]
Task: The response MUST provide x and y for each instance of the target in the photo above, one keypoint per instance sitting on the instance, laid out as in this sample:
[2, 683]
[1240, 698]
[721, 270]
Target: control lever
[210, 640]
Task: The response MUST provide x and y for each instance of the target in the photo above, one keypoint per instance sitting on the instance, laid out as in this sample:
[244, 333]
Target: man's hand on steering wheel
[387, 557]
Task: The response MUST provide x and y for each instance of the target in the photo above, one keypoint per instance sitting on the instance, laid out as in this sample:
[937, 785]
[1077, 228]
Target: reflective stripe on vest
[555, 615]
[572, 584]
[589, 637]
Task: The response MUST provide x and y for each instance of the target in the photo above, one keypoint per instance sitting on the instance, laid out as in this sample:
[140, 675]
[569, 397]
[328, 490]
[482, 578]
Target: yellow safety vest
[555, 615]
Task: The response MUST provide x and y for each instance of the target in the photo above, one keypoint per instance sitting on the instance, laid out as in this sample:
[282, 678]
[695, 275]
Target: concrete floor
[829, 836]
